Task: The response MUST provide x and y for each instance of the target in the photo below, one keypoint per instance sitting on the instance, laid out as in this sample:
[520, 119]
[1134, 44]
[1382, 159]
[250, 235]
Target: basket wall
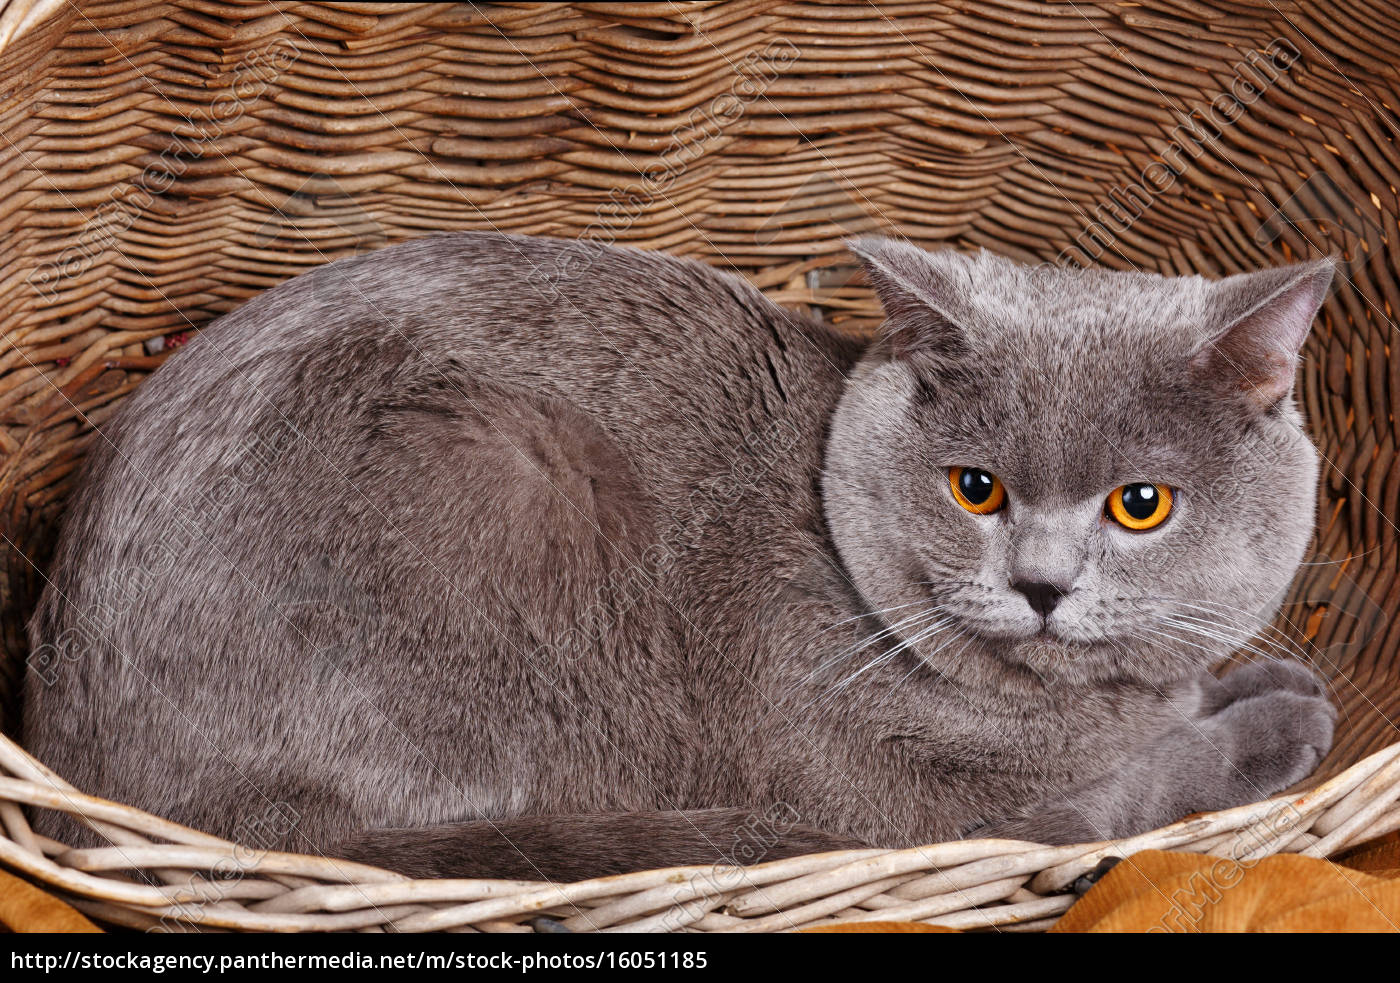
[162, 162]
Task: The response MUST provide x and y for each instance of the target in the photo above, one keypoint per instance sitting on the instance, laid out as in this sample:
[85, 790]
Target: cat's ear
[920, 292]
[1260, 323]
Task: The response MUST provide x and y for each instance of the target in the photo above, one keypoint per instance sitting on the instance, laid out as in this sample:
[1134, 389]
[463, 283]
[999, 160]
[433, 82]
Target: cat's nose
[1042, 596]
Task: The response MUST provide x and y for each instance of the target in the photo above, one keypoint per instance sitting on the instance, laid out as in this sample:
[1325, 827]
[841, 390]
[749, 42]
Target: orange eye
[980, 492]
[1139, 506]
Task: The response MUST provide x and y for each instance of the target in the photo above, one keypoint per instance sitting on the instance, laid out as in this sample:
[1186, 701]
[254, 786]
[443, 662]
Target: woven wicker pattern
[162, 162]
[1001, 884]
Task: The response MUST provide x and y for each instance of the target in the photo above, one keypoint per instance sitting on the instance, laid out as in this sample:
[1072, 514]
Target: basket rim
[959, 884]
[19, 17]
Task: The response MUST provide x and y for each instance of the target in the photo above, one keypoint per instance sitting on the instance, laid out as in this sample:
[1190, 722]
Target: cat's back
[379, 491]
[641, 341]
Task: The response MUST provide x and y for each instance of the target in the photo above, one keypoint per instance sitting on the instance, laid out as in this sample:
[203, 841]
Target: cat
[486, 555]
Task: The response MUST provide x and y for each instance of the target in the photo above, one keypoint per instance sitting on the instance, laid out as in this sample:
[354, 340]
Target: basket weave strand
[966, 884]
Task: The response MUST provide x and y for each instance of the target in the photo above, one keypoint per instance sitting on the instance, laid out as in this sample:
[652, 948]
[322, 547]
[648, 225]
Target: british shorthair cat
[496, 556]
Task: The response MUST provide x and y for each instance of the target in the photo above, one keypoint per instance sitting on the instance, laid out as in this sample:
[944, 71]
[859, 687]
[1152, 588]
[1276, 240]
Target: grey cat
[490, 555]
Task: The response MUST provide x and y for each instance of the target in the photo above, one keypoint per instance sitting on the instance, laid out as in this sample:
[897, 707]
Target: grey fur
[492, 534]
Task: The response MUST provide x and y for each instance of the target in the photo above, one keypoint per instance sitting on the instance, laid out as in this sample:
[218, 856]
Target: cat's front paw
[1262, 678]
[1274, 725]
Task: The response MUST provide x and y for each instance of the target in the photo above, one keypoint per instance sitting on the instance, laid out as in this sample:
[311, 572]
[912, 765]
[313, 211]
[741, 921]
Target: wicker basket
[163, 162]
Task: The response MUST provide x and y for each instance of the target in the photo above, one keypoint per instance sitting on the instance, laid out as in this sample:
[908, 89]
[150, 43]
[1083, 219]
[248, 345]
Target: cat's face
[1095, 474]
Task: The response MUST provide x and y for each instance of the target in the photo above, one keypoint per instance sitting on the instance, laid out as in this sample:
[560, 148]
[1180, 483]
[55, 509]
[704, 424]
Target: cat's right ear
[1262, 319]
[919, 291]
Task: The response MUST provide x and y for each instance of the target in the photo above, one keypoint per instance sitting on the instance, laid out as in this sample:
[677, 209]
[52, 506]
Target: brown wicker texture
[162, 162]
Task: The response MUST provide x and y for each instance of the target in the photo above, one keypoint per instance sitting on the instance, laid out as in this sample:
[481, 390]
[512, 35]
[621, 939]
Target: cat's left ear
[1262, 321]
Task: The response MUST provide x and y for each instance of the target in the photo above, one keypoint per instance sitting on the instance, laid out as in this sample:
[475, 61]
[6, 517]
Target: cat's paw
[1275, 726]
[1259, 678]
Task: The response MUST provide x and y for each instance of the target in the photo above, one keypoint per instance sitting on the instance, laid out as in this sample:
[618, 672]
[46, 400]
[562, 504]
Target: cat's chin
[1055, 657]
[1016, 636]
[1051, 651]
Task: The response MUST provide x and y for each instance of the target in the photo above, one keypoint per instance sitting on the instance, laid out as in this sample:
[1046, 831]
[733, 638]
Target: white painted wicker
[166, 877]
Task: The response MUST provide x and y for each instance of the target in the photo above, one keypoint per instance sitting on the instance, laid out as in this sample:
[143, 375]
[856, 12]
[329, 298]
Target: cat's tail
[578, 847]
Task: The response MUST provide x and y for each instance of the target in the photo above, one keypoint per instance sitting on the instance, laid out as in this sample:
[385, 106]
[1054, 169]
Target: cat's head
[1093, 473]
